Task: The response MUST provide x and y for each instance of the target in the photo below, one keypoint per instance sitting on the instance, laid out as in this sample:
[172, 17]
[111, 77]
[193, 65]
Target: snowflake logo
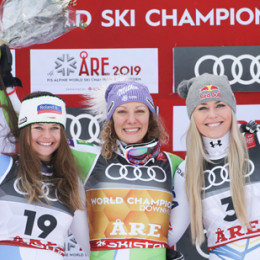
[101, 243]
[65, 65]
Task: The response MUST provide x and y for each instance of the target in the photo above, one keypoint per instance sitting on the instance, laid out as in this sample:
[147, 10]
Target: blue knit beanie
[127, 91]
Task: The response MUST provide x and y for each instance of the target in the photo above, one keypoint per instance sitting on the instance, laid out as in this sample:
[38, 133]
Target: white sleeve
[5, 145]
[14, 99]
[79, 226]
[258, 136]
[180, 214]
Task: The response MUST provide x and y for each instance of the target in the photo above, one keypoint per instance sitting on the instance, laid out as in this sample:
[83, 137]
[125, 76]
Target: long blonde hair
[238, 167]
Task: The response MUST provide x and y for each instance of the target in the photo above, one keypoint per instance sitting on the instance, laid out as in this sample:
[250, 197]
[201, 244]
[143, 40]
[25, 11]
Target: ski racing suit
[35, 231]
[129, 207]
[226, 238]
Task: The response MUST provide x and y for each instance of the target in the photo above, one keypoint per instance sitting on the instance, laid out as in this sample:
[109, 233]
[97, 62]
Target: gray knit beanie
[204, 88]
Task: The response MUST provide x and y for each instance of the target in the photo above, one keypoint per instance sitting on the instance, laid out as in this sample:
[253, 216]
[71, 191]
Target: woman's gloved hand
[6, 68]
[250, 127]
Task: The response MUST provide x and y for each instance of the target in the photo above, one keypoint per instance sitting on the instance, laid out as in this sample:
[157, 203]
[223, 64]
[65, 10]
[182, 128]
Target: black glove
[173, 255]
[250, 127]
[6, 68]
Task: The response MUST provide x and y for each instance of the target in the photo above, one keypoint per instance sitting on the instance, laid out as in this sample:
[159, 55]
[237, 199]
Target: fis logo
[211, 91]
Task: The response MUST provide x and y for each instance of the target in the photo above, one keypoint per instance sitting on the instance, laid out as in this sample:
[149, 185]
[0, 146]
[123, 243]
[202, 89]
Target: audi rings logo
[237, 68]
[76, 128]
[219, 175]
[116, 171]
[48, 190]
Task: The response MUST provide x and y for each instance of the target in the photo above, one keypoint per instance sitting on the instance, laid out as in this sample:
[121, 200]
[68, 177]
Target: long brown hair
[65, 176]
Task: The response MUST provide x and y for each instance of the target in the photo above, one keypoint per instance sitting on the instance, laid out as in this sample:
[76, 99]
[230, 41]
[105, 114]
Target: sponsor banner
[78, 71]
[80, 124]
[131, 214]
[241, 64]
[166, 16]
[180, 126]
[112, 244]
[181, 121]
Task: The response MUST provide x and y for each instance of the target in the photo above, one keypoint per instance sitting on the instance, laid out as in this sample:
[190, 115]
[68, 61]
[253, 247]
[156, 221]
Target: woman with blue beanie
[129, 179]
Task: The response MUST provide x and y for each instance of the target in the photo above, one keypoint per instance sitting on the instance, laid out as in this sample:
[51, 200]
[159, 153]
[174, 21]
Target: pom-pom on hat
[127, 91]
[42, 109]
[204, 88]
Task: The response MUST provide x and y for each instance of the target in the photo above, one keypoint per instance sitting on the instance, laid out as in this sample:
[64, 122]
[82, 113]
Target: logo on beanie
[48, 108]
[125, 89]
[209, 91]
[125, 98]
[23, 120]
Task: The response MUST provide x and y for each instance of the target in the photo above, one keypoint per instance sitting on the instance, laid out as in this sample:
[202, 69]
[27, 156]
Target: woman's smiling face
[45, 139]
[213, 119]
[131, 121]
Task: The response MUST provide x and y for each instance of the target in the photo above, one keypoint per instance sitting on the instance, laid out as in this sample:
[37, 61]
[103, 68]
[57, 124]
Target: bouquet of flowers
[27, 22]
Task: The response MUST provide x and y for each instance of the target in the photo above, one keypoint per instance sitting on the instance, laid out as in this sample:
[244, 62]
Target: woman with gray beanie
[221, 171]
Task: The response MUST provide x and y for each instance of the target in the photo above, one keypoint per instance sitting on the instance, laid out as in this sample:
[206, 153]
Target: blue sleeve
[5, 165]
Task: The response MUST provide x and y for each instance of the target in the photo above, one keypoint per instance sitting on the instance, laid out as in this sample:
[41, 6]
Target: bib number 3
[231, 214]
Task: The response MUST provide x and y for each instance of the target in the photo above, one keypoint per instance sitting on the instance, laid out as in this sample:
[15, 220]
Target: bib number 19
[46, 223]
